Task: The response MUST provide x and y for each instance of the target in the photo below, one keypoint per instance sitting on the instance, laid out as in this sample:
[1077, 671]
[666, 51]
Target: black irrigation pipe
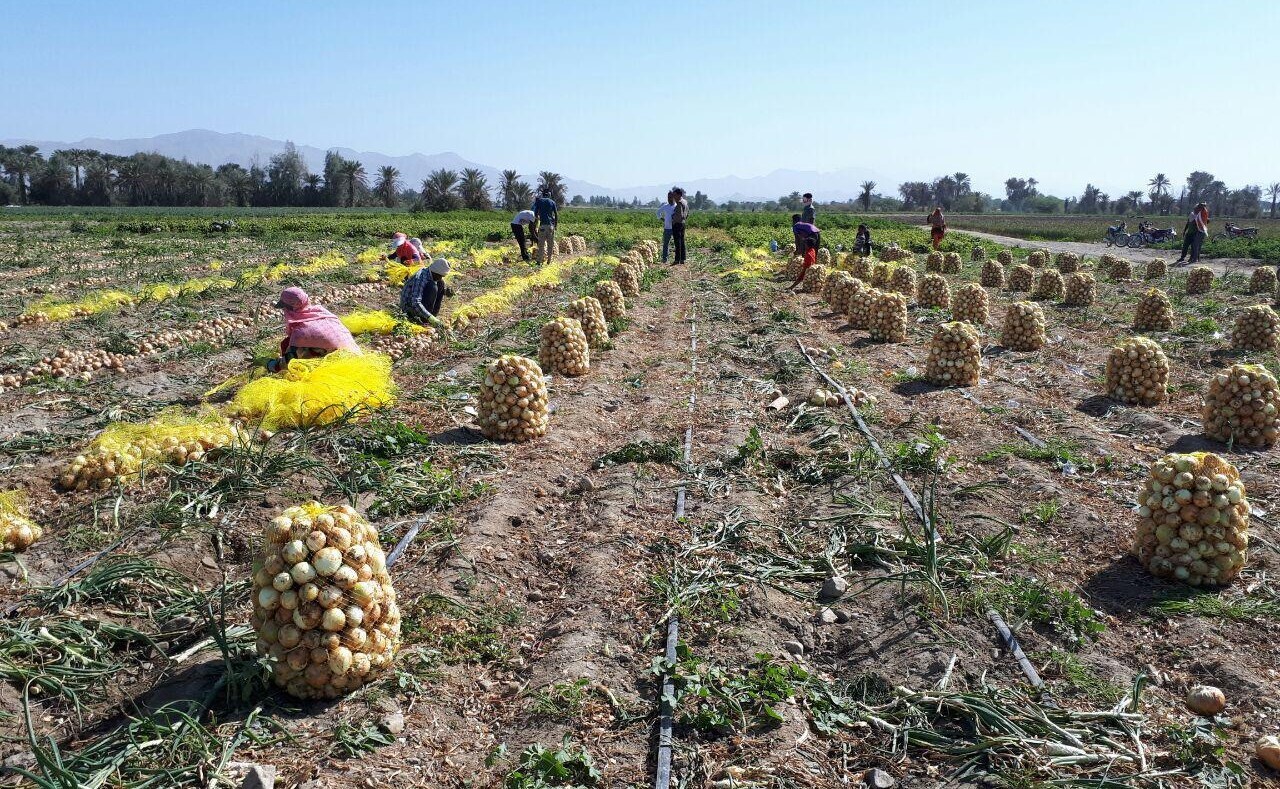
[666, 705]
[885, 464]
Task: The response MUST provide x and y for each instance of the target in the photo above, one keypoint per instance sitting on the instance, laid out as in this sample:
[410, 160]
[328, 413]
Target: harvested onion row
[324, 608]
[1193, 520]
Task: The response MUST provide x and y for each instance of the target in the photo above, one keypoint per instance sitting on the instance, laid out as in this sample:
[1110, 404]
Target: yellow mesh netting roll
[377, 322]
[317, 391]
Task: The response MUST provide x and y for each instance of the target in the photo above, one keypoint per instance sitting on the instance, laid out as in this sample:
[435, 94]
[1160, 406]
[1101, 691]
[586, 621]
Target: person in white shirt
[665, 213]
[518, 223]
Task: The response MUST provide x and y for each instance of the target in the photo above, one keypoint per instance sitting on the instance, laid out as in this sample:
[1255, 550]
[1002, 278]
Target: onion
[1206, 700]
[1268, 751]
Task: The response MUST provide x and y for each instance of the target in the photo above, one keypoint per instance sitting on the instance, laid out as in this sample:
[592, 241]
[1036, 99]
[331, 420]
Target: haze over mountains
[215, 148]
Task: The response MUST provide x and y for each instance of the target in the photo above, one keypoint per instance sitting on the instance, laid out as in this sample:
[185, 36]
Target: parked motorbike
[1116, 236]
[1232, 230]
[1152, 235]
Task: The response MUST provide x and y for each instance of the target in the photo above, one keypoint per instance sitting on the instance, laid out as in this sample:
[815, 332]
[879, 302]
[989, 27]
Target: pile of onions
[1255, 329]
[1049, 286]
[842, 290]
[590, 314]
[894, 253]
[1081, 289]
[992, 274]
[933, 262]
[952, 263]
[564, 348]
[1154, 312]
[577, 245]
[888, 321]
[1039, 258]
[1020, 279]
[1200, 280]
[1106, 262]
[903, 280]
[628, 278]
[1263, 280]
[971, 305]
[860, 268]
[1023, 327]
[1243, 407]
[1193, 520]
[823, 397]
[880, 275]
[795, 264]
[564, 246]
[1156, 268]
[67, 363]
[1005, 258]
[109, 458]
[832, 285]
[17, 530]
[1068, 262]
[398, 346]
[324, 608]
[859, 306]
[815, 279]
[610, 297]
[955, 355]
[934, 292]
[824, 257]
[636, 259]
[648, 250]
[1121, 269]
[513, 400]
[1138, 372]
[977, 254]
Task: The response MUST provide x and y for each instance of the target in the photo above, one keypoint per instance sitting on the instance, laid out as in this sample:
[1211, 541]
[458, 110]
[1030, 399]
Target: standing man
[544, 209]
[1194, 233]
[808, 239]
[679, 214]
[665, 213]
[518, 223]
[807, 212]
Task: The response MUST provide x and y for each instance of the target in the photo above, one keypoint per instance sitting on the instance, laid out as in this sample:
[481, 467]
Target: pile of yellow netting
[17, 530]
[377, 322]
[316, 391]
[397, 273]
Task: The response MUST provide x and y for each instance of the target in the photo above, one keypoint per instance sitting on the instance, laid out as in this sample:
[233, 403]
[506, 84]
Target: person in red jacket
[403, 250]
[808, 239]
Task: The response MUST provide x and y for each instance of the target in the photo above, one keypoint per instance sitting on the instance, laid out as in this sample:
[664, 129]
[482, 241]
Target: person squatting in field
[545, 211]
[665, 213]
[423, 293]
[403, 249]
[310, 331]
[862, 241]
[1195, 232]
[808, 239]
[522, 228]
[937, 226]
[679, 213]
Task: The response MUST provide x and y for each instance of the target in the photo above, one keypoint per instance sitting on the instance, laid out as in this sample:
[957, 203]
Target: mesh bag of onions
[903, 280]
[977, 254]
[1068, 262]
[1193, 520]
[610, 297]
[124, 450]
[323, 605]
[1049, 286]
[563, 348]
[1005, 258]
[992, 274]
[1154, 312]
[880, 274]
[1200, 280]
[628, 278]
[1243, 407]
[1038, 258]
[1255, 329]
[823, 257]
[1106, 261]
[513, 400]
[952, 263]
[1138, 372]
[1023, 327]
[815, 279]
[564, 246]
[587, 310]
[933, 262]
[831, 286]
[1081, 289]
[636, 259]
[17, 530]
[1156, 268]
[934, 291]
[859, 307]
[955, 355]
[794, 265]
[843, 291]
[1263, 280]
[971, 305]
[1121, 270]
[888, 321]
[860, 268]
[1021, 277]
[893, 253]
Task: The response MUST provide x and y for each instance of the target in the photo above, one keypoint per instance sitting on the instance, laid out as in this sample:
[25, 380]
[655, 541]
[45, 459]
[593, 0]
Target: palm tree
[522, 194]
[508, 188]
[1135, 197]
[23, 161]
[554, 183]
[131, 178]
[439, 191]
[963, 185]
[312, 183]
[474, 194]
[354, 175]
[388, 186]
[865, 197]
[1273, 192]
[201, 180]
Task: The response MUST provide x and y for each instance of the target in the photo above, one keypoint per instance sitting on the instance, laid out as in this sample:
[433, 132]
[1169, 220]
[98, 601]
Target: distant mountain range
[215, 148]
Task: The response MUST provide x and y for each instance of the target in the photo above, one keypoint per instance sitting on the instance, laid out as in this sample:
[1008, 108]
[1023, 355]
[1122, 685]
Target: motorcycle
[1232, 230]
[1116, 236]
[1151, 235]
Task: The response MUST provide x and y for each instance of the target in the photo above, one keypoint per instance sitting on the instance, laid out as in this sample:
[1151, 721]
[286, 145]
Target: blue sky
[626, 93]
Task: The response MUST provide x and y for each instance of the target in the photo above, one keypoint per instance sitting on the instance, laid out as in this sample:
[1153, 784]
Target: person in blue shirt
[544, 208]
[424, 292]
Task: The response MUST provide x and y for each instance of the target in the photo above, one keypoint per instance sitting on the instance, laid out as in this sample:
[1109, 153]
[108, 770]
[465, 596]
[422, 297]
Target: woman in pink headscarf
[310, 330]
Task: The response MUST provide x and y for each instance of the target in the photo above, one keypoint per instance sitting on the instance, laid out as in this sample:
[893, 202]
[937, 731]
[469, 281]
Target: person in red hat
[403, 250]
[310, 330]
